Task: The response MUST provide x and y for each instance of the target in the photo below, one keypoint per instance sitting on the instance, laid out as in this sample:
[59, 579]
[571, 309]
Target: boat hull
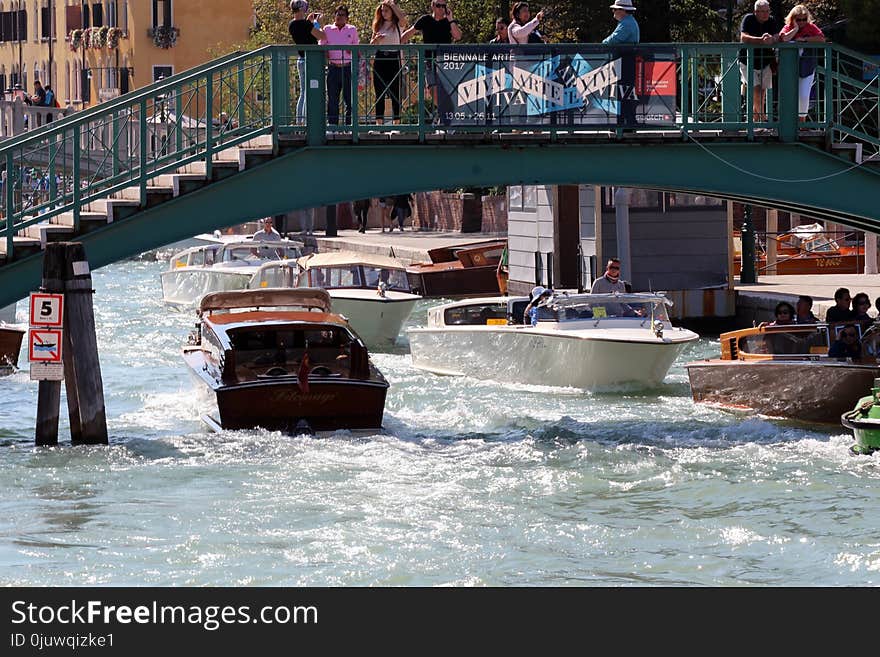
[279, 404]
[524, 355]
[377, 321]
[809, 391]
[454, 281]
[10, 348]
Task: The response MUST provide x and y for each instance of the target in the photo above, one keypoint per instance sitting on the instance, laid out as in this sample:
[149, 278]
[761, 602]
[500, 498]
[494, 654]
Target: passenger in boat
[784, 313]
[610, 281]
[267, 233]
[841, 311]
[804, 311]
[538, 295]
[861, 303]
[847, 344]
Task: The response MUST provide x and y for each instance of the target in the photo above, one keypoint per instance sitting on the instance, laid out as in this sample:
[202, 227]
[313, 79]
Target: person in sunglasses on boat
[840, 312]
[861, 304]
[610, 281]
[847, 344]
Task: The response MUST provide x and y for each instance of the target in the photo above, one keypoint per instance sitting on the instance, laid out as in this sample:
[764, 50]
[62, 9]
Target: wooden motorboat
[585, 341]
[10, 347]
[785, 371]
[806, 249]
[371, 291]
[218, 267]
[458, 271]
[280, 360]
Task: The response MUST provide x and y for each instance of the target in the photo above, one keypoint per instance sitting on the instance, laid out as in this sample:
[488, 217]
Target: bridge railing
[422, 91]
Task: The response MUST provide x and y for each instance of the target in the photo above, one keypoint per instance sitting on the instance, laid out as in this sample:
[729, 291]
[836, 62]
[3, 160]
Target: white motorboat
[220, 267]
[371, 291]
[588, 341]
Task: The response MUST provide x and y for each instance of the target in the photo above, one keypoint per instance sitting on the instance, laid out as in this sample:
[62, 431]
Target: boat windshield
[807, 341]
[195, 257]
[355, 276]
[286, 345]
[279, 275]
[596, 309]
[820, 244]
[395, 279]
[476, 314]
[259, 251]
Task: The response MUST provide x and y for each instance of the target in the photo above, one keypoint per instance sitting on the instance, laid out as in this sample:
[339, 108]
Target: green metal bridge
[248, 135]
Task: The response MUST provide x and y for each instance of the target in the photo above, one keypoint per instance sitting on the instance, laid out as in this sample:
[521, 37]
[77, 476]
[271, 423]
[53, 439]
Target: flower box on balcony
[164, 36]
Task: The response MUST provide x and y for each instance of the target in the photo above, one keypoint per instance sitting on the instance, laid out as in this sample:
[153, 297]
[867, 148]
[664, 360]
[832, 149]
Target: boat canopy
[347, 258]
[303, 297]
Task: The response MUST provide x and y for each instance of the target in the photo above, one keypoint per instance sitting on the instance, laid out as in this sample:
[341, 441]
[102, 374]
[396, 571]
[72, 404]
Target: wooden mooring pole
[66, 270]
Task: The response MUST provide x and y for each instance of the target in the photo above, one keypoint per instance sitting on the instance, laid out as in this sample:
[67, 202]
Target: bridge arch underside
[793, 177]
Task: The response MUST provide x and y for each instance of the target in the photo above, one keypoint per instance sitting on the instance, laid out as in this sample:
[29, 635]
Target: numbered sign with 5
[47, 310]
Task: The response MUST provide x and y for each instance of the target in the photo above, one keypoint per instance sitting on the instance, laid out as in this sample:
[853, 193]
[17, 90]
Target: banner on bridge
[560, 86]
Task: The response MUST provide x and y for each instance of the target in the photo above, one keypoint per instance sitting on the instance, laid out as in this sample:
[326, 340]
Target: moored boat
[280, 360]
[864, 421]
[10, 347]
[588, 341]
[218, 267]
[371, 291]
[784, 371]
[458, 271]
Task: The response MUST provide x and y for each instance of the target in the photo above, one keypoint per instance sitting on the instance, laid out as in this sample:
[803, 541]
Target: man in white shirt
[267, 233]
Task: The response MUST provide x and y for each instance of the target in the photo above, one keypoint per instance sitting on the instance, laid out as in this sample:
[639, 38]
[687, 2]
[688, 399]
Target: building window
[110, 12]
[160, 72]
[98, 15]
[162, 13]
[124, 22]
[523, 198]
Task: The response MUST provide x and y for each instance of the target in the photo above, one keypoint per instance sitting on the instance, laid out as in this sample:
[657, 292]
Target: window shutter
[74, 18]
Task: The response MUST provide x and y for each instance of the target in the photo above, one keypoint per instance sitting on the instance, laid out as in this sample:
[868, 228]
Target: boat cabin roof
[349, 258]
[303, 298]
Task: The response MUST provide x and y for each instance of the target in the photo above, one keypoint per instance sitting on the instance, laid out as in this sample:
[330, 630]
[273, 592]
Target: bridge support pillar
[621, 214]
[870, 253]
[747, 268]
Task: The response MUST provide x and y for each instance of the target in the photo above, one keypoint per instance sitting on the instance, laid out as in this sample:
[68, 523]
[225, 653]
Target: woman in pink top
[799, 26]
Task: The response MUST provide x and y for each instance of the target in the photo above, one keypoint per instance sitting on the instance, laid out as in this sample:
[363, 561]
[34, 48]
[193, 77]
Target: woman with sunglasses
[847, 344]
[799, 26]
[861, 304]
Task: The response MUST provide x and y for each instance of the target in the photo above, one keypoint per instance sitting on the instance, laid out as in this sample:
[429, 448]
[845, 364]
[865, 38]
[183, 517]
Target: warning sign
[42, 371]
[47, 309]
[45, 345]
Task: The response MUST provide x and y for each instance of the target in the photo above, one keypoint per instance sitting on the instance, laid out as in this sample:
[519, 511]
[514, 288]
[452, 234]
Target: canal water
[472, 483]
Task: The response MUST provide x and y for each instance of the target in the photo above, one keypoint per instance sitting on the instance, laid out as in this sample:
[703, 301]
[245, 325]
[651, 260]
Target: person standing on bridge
[388, 23]
[625, 34]
[501, 32]
[339, 32]
[305, 32]
[437, 27]
[799, 26]
[523, 28]
[759, 28]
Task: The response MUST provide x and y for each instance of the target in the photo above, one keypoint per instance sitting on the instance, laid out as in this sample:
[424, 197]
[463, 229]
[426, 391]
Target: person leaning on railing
[799, 26]
[759, 28]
